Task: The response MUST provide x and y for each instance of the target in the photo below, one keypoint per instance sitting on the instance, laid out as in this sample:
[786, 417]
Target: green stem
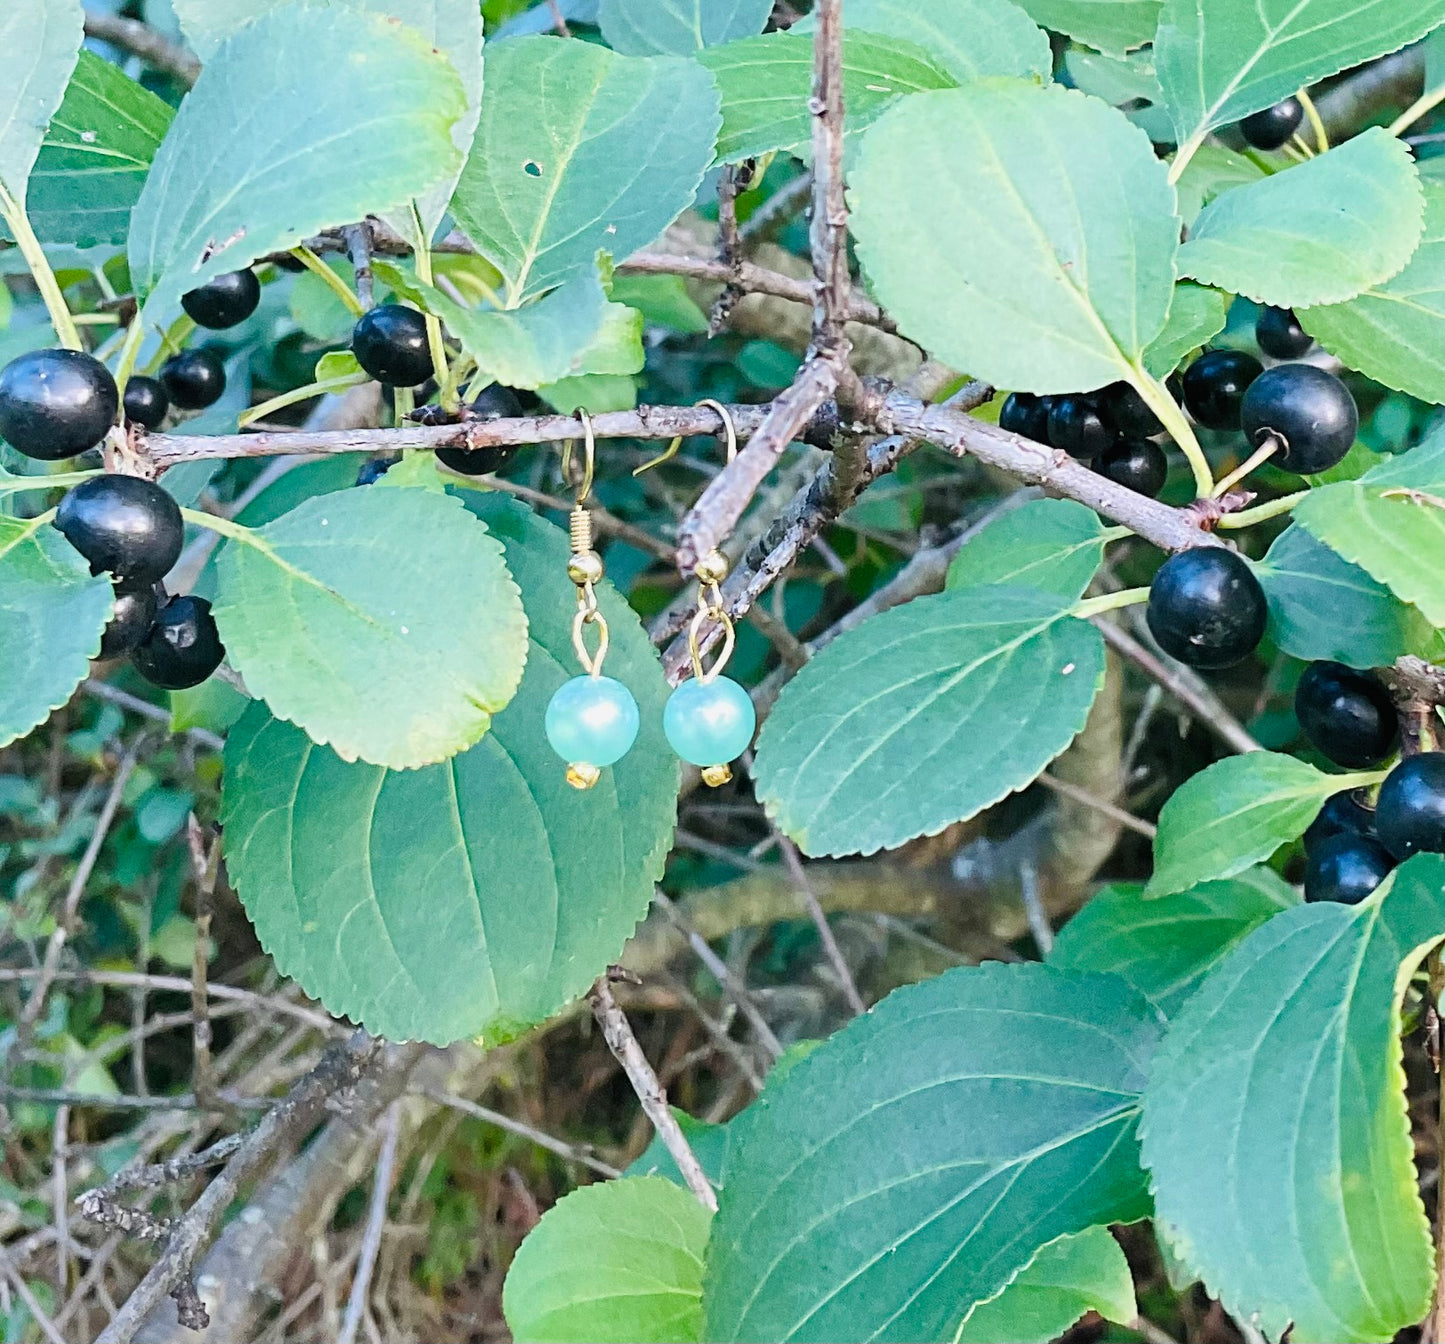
[1427, 102]
[125, 366]
[1260, 513]
[11, 485]
[1156, 397]
[29, 245]
[225, 526]
[1184, 153]
[447, 396]
[330, 279]
[1125, 597]
[1115, 534]
[173, 341]
[296, 394]
[1317, 122]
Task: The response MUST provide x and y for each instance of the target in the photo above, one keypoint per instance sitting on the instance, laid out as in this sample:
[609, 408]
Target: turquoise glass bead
[592, 721]
[709, 722]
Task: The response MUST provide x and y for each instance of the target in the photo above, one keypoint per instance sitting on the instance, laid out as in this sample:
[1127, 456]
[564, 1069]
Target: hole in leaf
[532, 168]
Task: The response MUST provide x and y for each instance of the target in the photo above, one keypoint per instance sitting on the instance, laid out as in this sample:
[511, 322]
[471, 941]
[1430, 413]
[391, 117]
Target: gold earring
[591, 720]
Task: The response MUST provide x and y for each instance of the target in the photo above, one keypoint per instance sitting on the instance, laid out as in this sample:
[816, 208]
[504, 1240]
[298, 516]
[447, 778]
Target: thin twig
[60, 1196]
[155, 713]
[32, 1303]
[730, 247]
[1034, 911]
[375, 1224]
[828, 232]
[777, 209]
[617, 1032]
[570, 1151]
[358, 246]
[1101, 805]
[153, 1175]
[205, 868]
[150, 44]
[820, 922]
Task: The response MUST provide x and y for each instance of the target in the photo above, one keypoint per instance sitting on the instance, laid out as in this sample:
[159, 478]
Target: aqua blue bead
[592, 721]
[709, 722]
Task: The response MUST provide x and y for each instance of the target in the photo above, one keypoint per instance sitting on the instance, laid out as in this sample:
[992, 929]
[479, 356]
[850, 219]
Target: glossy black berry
[1347, 714]
[1137, 464]
[145, 401]
[135, 613]
[1280, 335]
[194, 379]
[1346, 868]
[56, 403]
[183, 647]
[1311, 410]
[1025, 414]
[1215, 384]
[390, 344]
[1128, 412]
[495, 403]
[1410, 811]
[1343, 814]
[123, 525]
[1206, 608]
[223, 302]
[373, 469]
[1270, 128]
[1076, 426]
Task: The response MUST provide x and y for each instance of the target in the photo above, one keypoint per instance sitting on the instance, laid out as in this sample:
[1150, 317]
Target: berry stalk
[1156, 397]
[19, 225]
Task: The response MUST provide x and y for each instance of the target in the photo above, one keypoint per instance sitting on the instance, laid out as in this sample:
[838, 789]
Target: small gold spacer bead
[585, 568]
[580, 775]
[715, 776]
[713, 567]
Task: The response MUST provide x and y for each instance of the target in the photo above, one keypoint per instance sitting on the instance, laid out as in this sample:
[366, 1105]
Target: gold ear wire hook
[671, 450]
[590, 463]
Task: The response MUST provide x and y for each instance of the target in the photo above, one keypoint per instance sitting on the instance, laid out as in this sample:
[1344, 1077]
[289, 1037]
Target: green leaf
[1285, 240]
[318, 310]
[619, 1262]
[96, 155]
[966, 38]
[912, 1165]
[1395, 332]
[1214, 170]
[1236, 812]
[1068, 1277]
[216, 201]
[52, 613]
[1321, 606]
[580, 150]
[678, 27]
[521, 916]
[569, 332]
[1390, 522]
[1197, 315]
[975, 210]
[1276, 1104]
[333, 614]
[1113, 26]
[924, 716]
[40, 39]
[1165, 947]
[765, 83]
[1220, 61]
[1051, 545]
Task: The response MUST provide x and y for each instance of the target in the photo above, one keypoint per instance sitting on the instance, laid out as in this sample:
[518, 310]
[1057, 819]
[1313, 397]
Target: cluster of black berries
[1111, 429]
[1351, 847]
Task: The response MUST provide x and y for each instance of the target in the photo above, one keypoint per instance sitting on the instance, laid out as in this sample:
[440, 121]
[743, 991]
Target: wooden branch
[150, 44]
[617, 1032]
[828, 231]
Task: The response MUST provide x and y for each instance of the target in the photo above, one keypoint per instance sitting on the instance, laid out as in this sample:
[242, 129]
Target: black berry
[1342, 814]
[1206, 608]
[373, 469]
[1346, 868]
[1280, 335]
[390, 344]
[56, 403]
[1138, 464]
[1410, 811]
[194, 379]
[495, 403]
[223, 302]
[1309, 409]
[1215, 384]
[1025, 414]
[1076, 426]
[135, 613]
[145, 401]
[1270, 128]
[183, 647]
[1347, 714]
[1128, 412]
[123, 525]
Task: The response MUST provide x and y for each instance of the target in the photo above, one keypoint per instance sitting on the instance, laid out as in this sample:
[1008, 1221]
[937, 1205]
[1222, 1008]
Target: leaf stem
[317, 389]
[447, 397]
[1262, 512]
[225, 526]
[1426, 102]
[11, 485]
[1317, 123]
[1156, 397]
[1258, 458]
[1184, 153]
[19, 223]
[330, 279]
[1095, 606]
[129, 351]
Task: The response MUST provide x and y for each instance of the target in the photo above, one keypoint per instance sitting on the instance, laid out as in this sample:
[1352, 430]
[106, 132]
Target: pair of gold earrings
[592, 720]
